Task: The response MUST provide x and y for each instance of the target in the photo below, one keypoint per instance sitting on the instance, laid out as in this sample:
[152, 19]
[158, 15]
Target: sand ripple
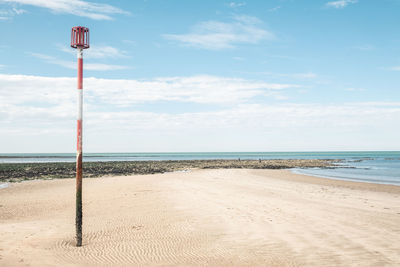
[202, 218]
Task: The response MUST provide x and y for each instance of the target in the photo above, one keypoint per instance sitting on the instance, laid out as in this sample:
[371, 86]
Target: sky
[187, 76]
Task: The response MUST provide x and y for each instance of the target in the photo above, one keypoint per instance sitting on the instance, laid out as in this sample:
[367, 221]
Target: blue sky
[279, 75]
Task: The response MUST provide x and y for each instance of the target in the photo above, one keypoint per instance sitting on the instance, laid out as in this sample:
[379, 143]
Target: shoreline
[15, 172]
[350, 184]
[345, 179]
[212, 217]
[299, 177]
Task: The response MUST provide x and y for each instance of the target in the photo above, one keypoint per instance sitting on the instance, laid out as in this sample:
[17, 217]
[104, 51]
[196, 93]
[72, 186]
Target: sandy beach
[203, 217]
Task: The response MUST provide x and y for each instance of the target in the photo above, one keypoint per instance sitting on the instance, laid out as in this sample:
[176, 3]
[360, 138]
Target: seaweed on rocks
[14, 172]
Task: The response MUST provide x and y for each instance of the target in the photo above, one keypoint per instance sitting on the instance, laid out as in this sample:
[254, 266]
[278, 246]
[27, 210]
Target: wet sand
[203, 217]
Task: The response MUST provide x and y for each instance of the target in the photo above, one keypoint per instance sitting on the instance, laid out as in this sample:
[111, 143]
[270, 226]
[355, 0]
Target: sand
[202, 217]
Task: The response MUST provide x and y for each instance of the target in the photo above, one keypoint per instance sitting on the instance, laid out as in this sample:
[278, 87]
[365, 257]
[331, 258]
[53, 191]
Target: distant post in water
[80, 41]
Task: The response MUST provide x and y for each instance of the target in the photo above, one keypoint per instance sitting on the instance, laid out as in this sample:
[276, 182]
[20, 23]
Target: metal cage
[80, 37]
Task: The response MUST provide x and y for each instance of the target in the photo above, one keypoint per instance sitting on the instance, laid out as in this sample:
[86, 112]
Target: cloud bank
[44, 108]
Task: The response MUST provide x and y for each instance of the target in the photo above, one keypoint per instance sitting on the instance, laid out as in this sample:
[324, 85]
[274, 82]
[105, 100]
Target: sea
[367, 166]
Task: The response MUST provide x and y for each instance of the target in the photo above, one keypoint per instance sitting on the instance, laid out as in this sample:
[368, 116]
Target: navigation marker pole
[80, 41]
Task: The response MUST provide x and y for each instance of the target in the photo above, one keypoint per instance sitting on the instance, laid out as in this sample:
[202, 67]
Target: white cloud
[105, 52]
[8, 14]
[38, 113]
[73, 65]
[198, 89]
[97, 11]
[304, 75]
[236, 4]
[34, 105]
[22, 95]
[395, 68]
[19, 11]
[37, 105]
[19, 89]
[249, 20]
[217, 35]
[340, 3]
[274, 9]
[101, 51]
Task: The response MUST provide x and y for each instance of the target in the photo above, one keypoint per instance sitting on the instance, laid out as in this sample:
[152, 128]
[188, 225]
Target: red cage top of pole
[80, 37]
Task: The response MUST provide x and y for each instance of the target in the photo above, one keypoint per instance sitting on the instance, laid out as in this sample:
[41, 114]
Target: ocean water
[374, 166]
[382, 170]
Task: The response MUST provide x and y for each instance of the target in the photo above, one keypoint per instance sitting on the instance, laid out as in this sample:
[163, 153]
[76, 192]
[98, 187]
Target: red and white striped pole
[78, 221]
[80, 41]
